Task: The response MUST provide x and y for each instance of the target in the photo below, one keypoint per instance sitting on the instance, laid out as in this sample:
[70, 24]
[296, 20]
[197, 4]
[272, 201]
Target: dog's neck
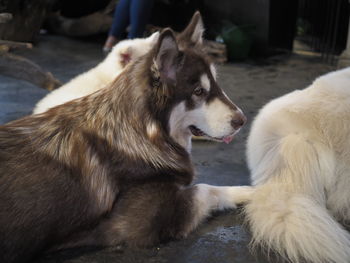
[184, 139]
[120, 114]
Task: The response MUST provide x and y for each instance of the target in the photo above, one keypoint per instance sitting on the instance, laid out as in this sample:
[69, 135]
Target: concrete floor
[223, 238]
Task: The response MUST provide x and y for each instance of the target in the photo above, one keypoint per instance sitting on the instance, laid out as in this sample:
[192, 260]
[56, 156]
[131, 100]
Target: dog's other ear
[193, 33]
[125, 57]
[154, 37]
[131, 50]
[166, 58]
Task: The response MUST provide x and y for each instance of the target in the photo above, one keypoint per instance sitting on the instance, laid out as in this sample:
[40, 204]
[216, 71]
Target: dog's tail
[296, 227]
[288, 214]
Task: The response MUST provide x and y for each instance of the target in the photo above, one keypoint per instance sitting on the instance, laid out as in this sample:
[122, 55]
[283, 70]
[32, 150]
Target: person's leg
[121, 19]
[140, 13]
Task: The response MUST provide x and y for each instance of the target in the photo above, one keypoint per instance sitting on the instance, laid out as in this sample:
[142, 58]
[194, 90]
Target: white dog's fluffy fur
[299, 156]
[99, 76]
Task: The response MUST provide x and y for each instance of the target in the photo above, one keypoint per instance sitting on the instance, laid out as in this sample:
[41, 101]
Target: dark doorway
[322, 27]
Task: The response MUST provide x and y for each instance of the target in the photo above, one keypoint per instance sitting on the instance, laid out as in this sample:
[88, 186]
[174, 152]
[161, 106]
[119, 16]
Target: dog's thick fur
[114, 167]
[101, 75]
[299, 157]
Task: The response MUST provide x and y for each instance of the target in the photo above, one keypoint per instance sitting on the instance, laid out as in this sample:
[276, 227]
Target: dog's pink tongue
[228, 139]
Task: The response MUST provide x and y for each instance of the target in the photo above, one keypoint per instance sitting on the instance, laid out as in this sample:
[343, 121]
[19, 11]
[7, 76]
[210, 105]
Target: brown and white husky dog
[101, 75]
[114, 167]
[299, 156]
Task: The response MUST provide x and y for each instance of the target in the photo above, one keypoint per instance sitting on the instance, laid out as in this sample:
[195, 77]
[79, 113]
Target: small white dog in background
[99, 76]
[299, 156]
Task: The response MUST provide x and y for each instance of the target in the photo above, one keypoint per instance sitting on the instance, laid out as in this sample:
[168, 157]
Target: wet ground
[223, 238]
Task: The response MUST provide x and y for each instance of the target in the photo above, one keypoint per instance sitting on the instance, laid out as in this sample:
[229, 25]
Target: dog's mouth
[198, 132]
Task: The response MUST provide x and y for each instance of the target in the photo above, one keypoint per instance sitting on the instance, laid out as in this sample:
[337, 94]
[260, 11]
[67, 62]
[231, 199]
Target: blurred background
[248, 28]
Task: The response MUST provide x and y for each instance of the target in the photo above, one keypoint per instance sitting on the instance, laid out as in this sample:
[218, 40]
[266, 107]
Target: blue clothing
[133, 12]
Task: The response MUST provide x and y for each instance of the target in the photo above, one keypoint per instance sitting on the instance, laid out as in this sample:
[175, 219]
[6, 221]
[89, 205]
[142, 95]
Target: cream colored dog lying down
[99, 76]
[299, 157]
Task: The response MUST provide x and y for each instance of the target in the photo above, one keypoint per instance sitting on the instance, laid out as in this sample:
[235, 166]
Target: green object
[238, 40]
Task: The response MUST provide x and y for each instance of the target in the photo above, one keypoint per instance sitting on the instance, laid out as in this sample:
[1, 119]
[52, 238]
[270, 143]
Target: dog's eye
[198, 91]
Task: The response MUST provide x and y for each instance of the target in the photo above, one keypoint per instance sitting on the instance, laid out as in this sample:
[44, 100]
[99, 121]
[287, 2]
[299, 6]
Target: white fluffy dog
[299, 156]
[99, 76]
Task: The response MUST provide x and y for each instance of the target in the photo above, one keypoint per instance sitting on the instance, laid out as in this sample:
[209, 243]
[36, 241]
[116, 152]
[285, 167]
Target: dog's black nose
[238, 121]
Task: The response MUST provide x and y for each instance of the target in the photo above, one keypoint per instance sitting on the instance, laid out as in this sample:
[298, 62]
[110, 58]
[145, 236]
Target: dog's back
[99, 76]
[298, 154]
[38, 191]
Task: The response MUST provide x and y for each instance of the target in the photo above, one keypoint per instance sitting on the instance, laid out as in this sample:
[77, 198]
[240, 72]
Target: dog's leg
[154, 213]
[207, 198]
[148, 214]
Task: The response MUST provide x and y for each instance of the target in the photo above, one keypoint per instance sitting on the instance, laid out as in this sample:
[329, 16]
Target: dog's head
[186, 91]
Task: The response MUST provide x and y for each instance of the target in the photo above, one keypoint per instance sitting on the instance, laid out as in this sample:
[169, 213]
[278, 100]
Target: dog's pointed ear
[166, 56]
[193, 33]
[154, 37]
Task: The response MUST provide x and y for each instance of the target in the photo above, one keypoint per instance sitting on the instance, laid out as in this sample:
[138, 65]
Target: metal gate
[322, 25]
